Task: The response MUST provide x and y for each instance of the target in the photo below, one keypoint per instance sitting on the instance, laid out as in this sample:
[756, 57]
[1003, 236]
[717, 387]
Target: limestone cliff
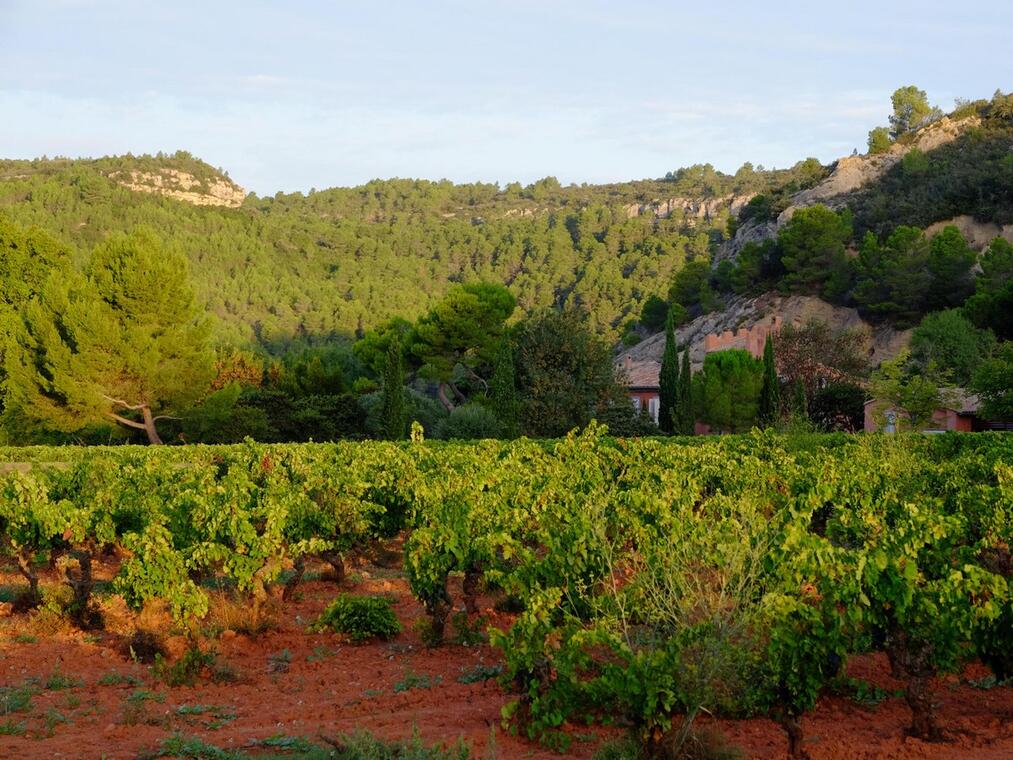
[695, 208]
[173, 183]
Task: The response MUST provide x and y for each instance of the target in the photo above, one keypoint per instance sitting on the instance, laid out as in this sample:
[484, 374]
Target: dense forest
[337, 262]
[493, 309]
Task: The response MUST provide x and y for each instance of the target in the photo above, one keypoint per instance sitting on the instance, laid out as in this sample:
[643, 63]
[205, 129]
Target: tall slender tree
[770, 400]
[668, 382]
[394, 409]
[687, 418]
[503, 389]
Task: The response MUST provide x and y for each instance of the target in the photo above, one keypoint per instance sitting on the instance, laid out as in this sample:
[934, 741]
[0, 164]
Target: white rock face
[696, 208]
[180, 185]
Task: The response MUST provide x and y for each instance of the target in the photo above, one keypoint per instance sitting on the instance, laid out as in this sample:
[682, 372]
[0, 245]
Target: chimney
[628, 362]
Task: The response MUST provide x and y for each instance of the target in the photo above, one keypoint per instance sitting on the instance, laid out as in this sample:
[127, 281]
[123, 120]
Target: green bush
[360, 617]
[185, 670]
[469, 423]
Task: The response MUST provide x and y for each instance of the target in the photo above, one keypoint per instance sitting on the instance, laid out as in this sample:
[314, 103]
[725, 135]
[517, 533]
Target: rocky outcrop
[852, 172]
[694, 208]
[849, 175]
[977, 234]
[743, 316]
[183, 186]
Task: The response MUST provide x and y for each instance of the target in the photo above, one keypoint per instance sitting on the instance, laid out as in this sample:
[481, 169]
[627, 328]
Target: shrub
[360, 617]
[186, 669]
[469, 423]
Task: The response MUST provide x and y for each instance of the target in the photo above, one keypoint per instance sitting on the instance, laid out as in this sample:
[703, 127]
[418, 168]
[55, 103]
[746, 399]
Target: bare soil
[91, 700]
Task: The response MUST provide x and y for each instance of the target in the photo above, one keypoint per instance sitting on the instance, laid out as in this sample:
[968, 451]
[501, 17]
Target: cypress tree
[687, 420]
[669, 407]
[770, 392]
[394, 412]
[503, 389]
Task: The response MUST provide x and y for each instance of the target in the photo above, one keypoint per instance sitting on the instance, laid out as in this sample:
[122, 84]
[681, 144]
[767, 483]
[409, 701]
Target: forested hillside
[144, 288]
[339, 261]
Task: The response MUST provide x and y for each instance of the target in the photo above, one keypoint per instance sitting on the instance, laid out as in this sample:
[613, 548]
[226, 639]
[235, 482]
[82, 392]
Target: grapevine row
[654, 578]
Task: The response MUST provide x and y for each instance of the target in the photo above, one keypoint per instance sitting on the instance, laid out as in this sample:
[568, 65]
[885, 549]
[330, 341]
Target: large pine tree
[668, 382]
[125, 343]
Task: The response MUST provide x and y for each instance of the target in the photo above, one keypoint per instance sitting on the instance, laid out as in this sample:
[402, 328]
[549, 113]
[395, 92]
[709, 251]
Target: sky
[293, 95]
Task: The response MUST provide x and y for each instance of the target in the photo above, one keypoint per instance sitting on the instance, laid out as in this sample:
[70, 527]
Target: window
[636, 403]
[652, 408]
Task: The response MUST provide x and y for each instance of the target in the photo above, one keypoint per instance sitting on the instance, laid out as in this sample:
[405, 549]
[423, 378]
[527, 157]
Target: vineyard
[648, 581]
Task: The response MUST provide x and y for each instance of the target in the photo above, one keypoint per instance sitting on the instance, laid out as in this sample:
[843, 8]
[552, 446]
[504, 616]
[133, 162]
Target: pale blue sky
[299, 94]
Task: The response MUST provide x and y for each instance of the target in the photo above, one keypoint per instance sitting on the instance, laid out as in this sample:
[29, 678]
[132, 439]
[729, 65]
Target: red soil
[324, 686]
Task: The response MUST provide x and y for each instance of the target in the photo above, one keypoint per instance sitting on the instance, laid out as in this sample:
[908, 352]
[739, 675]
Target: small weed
[195, 709]
[415, 681]
[480, 673]
[73, 701]
[222, 672]
[860, 691]
[24, 638]
[11, 728]
[185, 671]
[192, 747]
[287, 743]
[360, 618]
[16, 698]
[58, 681]
[369, 693]
[119, 679]
[319, 654]
[143, 695]
[466, 633]
[279, 661]
[136, 713]
[52, 719]
[219, 715]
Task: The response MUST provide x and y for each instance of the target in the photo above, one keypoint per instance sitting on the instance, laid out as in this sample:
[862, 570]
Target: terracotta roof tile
[642, 374]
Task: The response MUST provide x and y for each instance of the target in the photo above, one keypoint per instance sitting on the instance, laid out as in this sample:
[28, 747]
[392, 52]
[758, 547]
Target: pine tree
[669, 382]
[770, 392]
[687, 419]
[126, 341]
[503, 390]
[393, 409]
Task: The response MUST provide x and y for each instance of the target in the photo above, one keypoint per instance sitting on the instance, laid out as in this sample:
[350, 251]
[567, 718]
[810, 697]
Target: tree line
[117, 347]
